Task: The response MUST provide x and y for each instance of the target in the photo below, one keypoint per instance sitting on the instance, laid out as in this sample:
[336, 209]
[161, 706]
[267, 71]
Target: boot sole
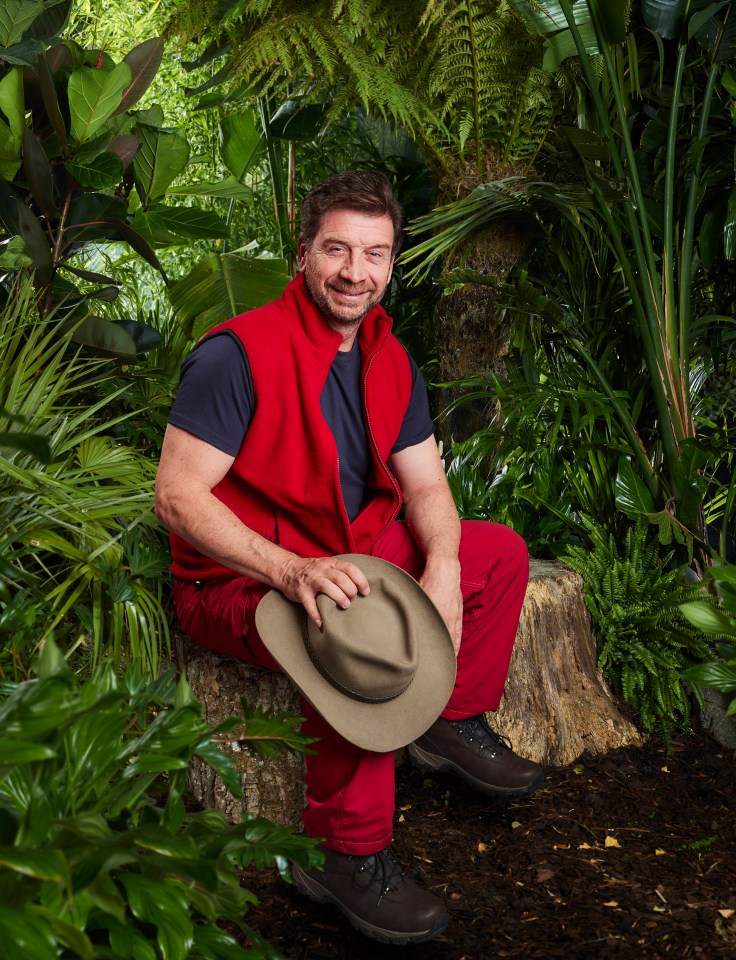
[312, 888]
[436, 764]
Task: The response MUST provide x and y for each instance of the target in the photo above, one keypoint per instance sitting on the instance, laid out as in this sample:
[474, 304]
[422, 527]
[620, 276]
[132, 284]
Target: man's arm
[188, 471]
[431, 514]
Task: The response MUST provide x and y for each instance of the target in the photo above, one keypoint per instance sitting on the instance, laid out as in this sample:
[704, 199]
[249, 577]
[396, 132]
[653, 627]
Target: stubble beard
[341, 321]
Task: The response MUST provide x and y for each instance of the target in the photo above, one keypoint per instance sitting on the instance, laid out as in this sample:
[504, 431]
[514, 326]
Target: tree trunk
[556, 704]
[272, 788]
[472, 324]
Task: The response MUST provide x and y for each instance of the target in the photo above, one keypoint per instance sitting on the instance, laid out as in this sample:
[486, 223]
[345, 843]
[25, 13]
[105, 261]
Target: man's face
[348, 265]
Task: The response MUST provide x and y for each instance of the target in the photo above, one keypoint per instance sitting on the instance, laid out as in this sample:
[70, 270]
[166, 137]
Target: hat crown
[368, 651]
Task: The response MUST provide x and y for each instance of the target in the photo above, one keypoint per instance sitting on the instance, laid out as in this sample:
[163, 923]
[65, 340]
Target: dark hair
[367, 191]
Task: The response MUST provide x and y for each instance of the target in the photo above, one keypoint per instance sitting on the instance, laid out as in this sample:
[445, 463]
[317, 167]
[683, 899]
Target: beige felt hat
[380, 672]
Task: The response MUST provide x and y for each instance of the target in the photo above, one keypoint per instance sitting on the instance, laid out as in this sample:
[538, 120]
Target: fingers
[339, 580]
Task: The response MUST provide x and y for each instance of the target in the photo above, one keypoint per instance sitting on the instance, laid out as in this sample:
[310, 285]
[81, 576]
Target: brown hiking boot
[481, 757]
[375, 895]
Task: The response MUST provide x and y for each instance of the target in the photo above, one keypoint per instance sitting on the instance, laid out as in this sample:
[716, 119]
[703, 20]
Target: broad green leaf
[26, 935]
[23, 54]
[41, 864]
[52, 21]
[104, 337]
[144, 337]
[21, 751]
[101, 173]
[223, 285]
[297, 121]
[38, 175]
[729, 226]
[212, 943]
[187, 223]
[548, 16]
[227, 189]
[719, 676]
[89, 275]
[561, 46]
[36, 241]
[612, 17]
[240, 142]
[144, 61]
[727, 573]
[16, 16]
[137, 242]
[699, 19]
[708, 618]
[127, 942]
[165, 906]
[94, 95]
[665, 16]
[12, 122]
[125, 145]
[71, 936]
[632, 495]
[162, 156]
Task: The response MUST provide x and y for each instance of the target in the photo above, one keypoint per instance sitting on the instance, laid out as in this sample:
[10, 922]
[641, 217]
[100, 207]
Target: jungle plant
[644, 641]
[719, 622]
[637, 203]
[82, 553]
[79, 167]
[99, 856]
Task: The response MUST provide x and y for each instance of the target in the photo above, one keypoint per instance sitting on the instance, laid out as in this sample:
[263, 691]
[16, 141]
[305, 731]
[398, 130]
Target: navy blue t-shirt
[216, 402]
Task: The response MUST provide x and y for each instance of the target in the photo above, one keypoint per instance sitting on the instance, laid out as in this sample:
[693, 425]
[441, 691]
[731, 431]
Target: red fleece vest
[285, 481]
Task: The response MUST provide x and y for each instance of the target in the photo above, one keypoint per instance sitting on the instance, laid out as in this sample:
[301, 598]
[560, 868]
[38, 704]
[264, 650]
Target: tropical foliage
[644, 641]
[99, 856]
[719, 622]
[623, 316]
[82, 554]
[450, 73]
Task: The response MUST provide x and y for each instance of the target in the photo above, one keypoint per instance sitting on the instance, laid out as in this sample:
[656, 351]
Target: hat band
[333, 681]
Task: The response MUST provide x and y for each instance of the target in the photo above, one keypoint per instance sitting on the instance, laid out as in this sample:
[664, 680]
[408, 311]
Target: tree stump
[556, 704]
[272, 788]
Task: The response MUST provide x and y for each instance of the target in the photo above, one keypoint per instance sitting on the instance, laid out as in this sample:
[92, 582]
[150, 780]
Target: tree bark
[556, 704]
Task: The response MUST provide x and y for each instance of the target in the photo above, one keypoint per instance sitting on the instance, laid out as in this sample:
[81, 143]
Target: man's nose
[353, 268]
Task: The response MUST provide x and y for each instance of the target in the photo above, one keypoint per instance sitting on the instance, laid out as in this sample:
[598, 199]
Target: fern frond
[644, 642]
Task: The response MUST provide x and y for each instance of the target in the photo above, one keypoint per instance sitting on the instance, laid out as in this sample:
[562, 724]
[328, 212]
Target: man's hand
[441, 583]
[303, 579]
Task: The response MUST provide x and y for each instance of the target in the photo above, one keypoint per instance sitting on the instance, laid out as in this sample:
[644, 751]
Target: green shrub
[720, 623]
[99, 856]
[644, 641]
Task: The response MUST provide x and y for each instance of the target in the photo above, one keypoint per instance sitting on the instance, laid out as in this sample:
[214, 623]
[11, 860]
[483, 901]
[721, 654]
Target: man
[299, 432]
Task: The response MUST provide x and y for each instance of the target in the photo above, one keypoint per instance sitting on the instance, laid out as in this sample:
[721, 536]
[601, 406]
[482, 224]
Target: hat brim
[380, 727]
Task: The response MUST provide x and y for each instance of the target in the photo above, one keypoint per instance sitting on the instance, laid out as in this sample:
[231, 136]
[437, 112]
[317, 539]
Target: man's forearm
[433, 519]
[210, 526]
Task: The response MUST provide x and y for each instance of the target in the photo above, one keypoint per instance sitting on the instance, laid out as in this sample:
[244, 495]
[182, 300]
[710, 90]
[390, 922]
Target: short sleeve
[417, 424]
[215, 401]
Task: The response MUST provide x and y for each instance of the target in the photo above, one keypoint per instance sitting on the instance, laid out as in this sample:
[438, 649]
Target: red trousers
[350, 791]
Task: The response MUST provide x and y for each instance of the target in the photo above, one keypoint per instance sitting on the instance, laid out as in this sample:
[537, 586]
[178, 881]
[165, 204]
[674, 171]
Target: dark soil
[629, 855]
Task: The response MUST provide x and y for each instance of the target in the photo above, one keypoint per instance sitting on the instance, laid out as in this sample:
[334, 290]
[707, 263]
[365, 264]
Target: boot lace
[475, 729]
[383, 869]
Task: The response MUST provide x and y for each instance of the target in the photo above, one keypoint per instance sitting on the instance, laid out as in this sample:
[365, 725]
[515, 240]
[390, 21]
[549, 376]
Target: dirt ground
[631, 855]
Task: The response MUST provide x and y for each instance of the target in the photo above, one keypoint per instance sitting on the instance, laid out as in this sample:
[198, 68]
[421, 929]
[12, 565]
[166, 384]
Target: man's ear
[301, 253]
